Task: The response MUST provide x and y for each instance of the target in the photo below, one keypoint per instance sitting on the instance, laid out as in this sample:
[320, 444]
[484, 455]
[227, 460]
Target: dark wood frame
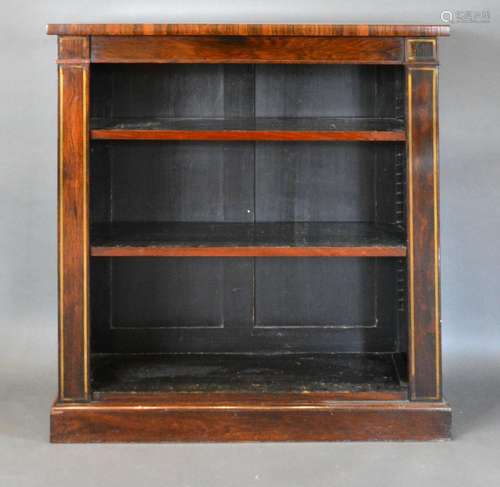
[79, 416]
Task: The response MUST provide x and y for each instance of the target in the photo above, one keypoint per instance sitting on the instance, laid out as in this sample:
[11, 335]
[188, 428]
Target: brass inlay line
[410, 226]
[85, 235]
[410, 57]
[76, 61]
[436, 234]
[61, 238]
[335, 404]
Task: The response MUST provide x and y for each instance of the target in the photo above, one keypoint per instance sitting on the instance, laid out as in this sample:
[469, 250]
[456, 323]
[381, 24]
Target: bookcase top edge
[326, 30]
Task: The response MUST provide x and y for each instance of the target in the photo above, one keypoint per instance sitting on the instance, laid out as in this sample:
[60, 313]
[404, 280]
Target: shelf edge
[165, 251]
[249, 135]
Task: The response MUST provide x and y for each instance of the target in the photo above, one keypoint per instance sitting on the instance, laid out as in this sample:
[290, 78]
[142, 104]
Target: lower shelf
[201, 239]
[218, 398]
[375, 374]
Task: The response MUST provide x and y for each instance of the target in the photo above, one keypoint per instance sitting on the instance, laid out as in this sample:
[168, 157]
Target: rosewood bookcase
[248, 227]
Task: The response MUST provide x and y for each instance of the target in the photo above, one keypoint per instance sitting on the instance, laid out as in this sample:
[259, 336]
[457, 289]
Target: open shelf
[218, 208]
[256, 129]
[248, 373]
[247, 239]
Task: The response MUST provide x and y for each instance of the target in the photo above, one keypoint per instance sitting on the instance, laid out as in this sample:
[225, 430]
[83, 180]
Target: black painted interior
[142, 190]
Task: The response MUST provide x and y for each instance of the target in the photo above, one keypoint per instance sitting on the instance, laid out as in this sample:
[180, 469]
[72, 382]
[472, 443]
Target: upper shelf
[271, 239]
[326, 30]
[298, 129]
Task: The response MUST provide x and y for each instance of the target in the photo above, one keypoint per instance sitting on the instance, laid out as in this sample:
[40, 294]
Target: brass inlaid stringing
[437, 286]
[414, 58]
[61, 238]
[410, 227]
[85, 232]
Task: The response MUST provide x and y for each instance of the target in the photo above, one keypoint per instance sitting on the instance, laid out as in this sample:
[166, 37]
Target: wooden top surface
[346, 30]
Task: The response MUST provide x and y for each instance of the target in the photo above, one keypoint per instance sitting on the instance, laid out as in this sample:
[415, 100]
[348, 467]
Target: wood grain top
[334, 30]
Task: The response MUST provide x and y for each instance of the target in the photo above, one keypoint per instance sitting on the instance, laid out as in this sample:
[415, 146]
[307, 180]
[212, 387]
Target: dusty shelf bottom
[247, 373]
[218, 398]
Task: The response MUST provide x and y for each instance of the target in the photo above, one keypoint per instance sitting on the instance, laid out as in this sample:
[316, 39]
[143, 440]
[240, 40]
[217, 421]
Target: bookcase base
[156, 420]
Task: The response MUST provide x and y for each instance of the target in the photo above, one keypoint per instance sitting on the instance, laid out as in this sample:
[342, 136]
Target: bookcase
[248, 223]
